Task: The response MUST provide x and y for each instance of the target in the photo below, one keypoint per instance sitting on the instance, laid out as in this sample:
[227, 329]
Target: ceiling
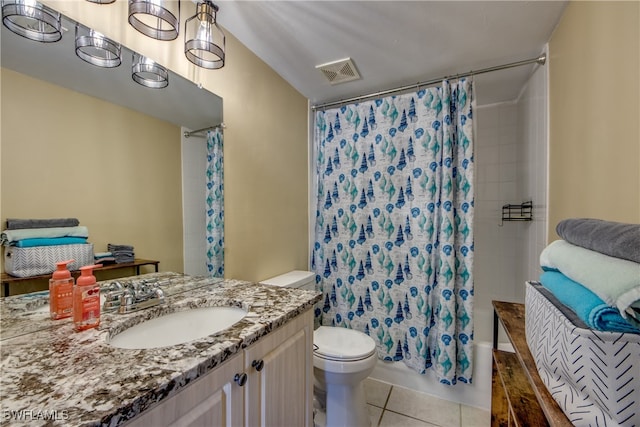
[394, 43]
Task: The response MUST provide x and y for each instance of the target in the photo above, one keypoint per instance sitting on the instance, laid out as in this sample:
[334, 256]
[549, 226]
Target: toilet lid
[338, 343]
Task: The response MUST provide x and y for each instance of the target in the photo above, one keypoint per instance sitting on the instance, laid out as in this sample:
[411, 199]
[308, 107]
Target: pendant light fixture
[146, 72]
[96, 49]
[101, 1]
[158, 19]
[32, 20]
[204, 41]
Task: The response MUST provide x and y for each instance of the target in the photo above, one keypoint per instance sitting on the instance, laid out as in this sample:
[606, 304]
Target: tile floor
[395, 406]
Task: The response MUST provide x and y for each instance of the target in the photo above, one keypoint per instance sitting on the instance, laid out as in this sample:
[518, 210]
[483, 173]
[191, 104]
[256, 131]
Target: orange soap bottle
[61, 291]
[86, 300]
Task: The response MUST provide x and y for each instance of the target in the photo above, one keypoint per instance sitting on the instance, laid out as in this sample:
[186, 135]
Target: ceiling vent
[343, 70]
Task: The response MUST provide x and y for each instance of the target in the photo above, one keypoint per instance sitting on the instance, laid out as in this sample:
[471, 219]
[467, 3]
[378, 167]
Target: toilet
[342, 359]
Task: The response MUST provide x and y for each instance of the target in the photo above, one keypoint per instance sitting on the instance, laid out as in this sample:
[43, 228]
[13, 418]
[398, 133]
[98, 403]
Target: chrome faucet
[112, 296]
[133, 296]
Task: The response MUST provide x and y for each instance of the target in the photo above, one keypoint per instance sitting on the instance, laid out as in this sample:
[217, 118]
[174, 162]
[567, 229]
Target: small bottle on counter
[61, 291]
[86, 300]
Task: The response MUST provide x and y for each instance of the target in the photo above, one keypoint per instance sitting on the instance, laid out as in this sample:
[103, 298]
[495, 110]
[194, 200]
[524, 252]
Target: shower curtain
[393, 250]
[215, 204]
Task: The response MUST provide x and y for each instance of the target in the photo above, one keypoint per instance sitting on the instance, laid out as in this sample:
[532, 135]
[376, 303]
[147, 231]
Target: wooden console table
[7, 279]
[518, 395]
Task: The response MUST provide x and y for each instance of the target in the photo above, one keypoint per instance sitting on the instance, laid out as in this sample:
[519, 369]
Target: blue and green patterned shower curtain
[393, 252]
[215, 204]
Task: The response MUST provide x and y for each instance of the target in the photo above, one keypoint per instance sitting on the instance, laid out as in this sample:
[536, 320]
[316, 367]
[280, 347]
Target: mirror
[149, 182]
[181, 103]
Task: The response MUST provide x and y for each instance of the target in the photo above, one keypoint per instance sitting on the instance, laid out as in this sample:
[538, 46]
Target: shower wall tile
[508, 153]
[511, 165]
[498, 247]
[493, 173]
[533, 123]
[508, 171]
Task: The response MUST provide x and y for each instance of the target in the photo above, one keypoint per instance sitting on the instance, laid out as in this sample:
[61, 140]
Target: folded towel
[566, 311]
[123, 254]
[9, 236]
[119, 248]
[610, 238]
[102, 254]
[17, 224]
[587, 306]
[615, 281]
[49, 241]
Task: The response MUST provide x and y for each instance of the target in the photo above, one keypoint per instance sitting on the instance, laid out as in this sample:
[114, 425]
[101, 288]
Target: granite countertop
[50, 371]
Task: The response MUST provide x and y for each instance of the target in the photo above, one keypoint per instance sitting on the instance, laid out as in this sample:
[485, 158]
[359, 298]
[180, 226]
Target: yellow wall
[116, 170]
[265, 152]
[594, 166]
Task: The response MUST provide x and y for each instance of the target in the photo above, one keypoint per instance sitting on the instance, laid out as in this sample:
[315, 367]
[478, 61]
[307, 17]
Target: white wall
[194, 164]
[511, 160]
[498, 252]
[533, 161]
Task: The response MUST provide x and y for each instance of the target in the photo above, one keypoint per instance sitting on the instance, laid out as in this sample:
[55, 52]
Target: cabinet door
[280, 389]
[213, 400]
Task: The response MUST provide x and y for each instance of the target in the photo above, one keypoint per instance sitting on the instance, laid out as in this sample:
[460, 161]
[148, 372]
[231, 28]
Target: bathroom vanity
[256, 372]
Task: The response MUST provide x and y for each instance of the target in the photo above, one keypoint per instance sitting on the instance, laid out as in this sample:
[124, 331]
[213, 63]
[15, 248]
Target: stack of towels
[26, 233]
[595, 272]
[104, 258]
[121, 253]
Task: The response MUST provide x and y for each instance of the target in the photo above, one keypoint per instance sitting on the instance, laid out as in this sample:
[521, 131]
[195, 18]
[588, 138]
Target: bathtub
[477, 394]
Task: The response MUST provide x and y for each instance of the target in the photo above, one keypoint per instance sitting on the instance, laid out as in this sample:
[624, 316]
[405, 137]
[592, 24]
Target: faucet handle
[115, 286]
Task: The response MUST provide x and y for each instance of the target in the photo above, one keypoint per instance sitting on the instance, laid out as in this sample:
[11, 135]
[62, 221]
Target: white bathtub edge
[477, 394]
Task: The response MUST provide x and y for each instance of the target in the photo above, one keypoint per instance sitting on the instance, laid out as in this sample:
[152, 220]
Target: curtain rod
[539, 60]
[193, 132]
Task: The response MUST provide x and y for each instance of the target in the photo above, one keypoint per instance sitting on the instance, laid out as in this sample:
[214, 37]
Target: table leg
[495, 330]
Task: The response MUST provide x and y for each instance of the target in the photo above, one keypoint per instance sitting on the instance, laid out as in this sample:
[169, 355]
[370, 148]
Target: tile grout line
[384, 407]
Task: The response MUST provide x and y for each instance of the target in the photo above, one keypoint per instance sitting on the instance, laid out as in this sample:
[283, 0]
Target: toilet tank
[294, 279]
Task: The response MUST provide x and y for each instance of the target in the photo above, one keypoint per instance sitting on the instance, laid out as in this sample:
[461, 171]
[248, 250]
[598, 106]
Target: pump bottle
[61, 291]
[86, 300]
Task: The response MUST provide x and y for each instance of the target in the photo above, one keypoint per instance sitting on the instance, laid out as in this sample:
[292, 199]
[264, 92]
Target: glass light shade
[146, 72]
[96, 49]
[204, 41]
[101, 1]
[157, 19]
[32, 20]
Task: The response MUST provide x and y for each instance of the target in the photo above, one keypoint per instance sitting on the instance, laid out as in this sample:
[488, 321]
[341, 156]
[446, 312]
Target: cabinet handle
[240, 379]
[258, 364]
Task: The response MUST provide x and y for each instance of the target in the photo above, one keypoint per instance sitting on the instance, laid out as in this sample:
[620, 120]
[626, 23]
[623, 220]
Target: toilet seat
[342, 344]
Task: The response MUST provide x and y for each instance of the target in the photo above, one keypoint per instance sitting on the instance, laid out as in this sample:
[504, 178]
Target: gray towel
[18, 224]
[615, 239]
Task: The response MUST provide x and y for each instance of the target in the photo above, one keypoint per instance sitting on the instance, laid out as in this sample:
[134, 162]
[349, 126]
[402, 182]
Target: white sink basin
[177, 328]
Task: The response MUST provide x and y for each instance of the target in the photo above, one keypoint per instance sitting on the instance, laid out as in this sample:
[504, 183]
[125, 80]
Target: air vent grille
[341, 71]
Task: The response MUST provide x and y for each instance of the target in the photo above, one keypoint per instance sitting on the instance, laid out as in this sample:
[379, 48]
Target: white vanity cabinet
[269, 384]
[279, 367]
[212, 400]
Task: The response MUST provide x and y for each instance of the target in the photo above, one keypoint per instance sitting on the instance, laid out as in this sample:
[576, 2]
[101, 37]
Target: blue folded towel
[614, 280]
[8, 237]
[591, 309]
[52, 241]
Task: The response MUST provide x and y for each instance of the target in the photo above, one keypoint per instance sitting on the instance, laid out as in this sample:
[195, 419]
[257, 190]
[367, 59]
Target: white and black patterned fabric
[36, 260]
[594, 376]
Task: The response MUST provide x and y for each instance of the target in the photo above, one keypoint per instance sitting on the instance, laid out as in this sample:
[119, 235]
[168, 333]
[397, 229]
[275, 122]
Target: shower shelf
[521, 212]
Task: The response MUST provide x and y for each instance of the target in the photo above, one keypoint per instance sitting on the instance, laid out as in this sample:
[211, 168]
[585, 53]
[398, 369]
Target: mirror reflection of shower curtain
[393, 250]
[215, 204]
